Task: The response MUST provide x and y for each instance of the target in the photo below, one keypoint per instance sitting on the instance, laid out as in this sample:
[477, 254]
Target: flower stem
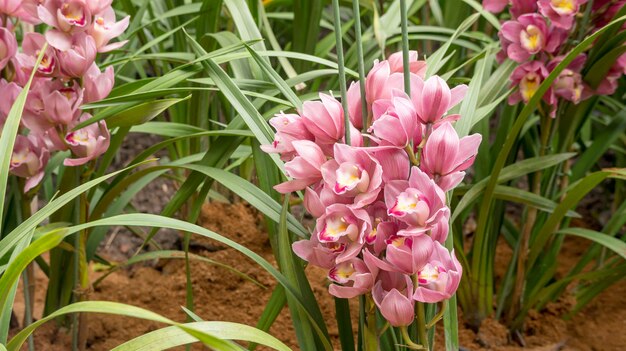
[421, 325]
[407, 340]
[437, 317]
[341, 66]
[370, 332]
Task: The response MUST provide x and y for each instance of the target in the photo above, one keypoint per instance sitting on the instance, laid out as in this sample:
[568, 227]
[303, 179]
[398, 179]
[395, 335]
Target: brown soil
[223, 296]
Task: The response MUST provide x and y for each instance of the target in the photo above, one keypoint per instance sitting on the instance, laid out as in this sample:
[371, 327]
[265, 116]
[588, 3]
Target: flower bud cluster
[66, 78]
[379, 200]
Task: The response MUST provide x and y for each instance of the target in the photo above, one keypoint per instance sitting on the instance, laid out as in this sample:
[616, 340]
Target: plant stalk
[421, 325]
[370, 333]
[523, 246]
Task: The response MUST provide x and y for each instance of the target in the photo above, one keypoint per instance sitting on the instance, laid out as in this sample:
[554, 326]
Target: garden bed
[222, 295]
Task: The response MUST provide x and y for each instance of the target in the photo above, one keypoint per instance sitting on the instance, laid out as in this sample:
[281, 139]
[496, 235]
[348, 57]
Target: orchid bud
[495, 6]
[304, 168]
[29, 159]
[324, 119]
[8, 46]
[445, 156]
[98, 85]
[433, 98]
[395, 303]
[76, 61]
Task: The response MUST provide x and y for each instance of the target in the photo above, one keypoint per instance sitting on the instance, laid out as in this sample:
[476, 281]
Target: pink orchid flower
[352, 278]
[31, 47]
[439, 279]
[561, 13]
[406, 254]
[355, 109]
[67, 17]
[25, 10]
[527, 78]
[433, 99]
[395, 121]
[569, 84]
[395, 303]
[324, 119]
[105, 28]
[522, 7]
[289, 128]
[382, 227]
[98, 84]
[305, 169]
[87, 143]
[29, 159]
[446, 157]
[316, 253]
[343, 222]
[439, 231]
[353, 173]
[529, 35]
[62, 106]
[609, 84]
[9, 92]
[76, 61]
[98, 6]
[388, 75]
[495, 6]
[8, 47]
[418, 202]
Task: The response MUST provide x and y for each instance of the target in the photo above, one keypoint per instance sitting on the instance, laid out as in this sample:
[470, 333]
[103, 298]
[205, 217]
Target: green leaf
[171, 337]
[611, 243]
[9, 134]
[140, 114]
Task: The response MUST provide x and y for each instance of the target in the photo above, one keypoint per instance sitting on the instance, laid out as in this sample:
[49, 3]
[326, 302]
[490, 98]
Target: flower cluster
[66, 78]
[537, 38]
[379, 200]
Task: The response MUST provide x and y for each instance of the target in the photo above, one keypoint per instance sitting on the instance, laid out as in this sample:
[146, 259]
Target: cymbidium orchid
[29, 159]
[8, 47]
[438, 279]
[446, 157]
[560, 12]
[379, 203]
[529, 35]
[66, 77]
[87, 143]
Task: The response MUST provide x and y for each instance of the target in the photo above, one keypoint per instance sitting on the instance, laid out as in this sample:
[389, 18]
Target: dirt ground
[223, 296]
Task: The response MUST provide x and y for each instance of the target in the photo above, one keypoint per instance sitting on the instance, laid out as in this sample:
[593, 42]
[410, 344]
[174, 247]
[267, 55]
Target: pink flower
[324, 119]
[289, 128]
[406, 254]
[353, 173]
[527, 78]
[65, 15]
[62, 106]
[98, 6]
[316, 253]
[418, 202]
[87, 143]
[304, 168]
[25, 10]
[569, 84]
[341, 223]
[9, 92]
[395, 303]
[76, 61]
[98, 84]
[529, 35]
[104, 28]
[445, 157]
[395, 121]
[438, 279]
[355, 109]
[388, 75]
[521, 7]
[433, 98]
[561, 12]
[29, 159]
[352, 278]
[609, 84]
[495, 6]
[31, 46]
[8, 47]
